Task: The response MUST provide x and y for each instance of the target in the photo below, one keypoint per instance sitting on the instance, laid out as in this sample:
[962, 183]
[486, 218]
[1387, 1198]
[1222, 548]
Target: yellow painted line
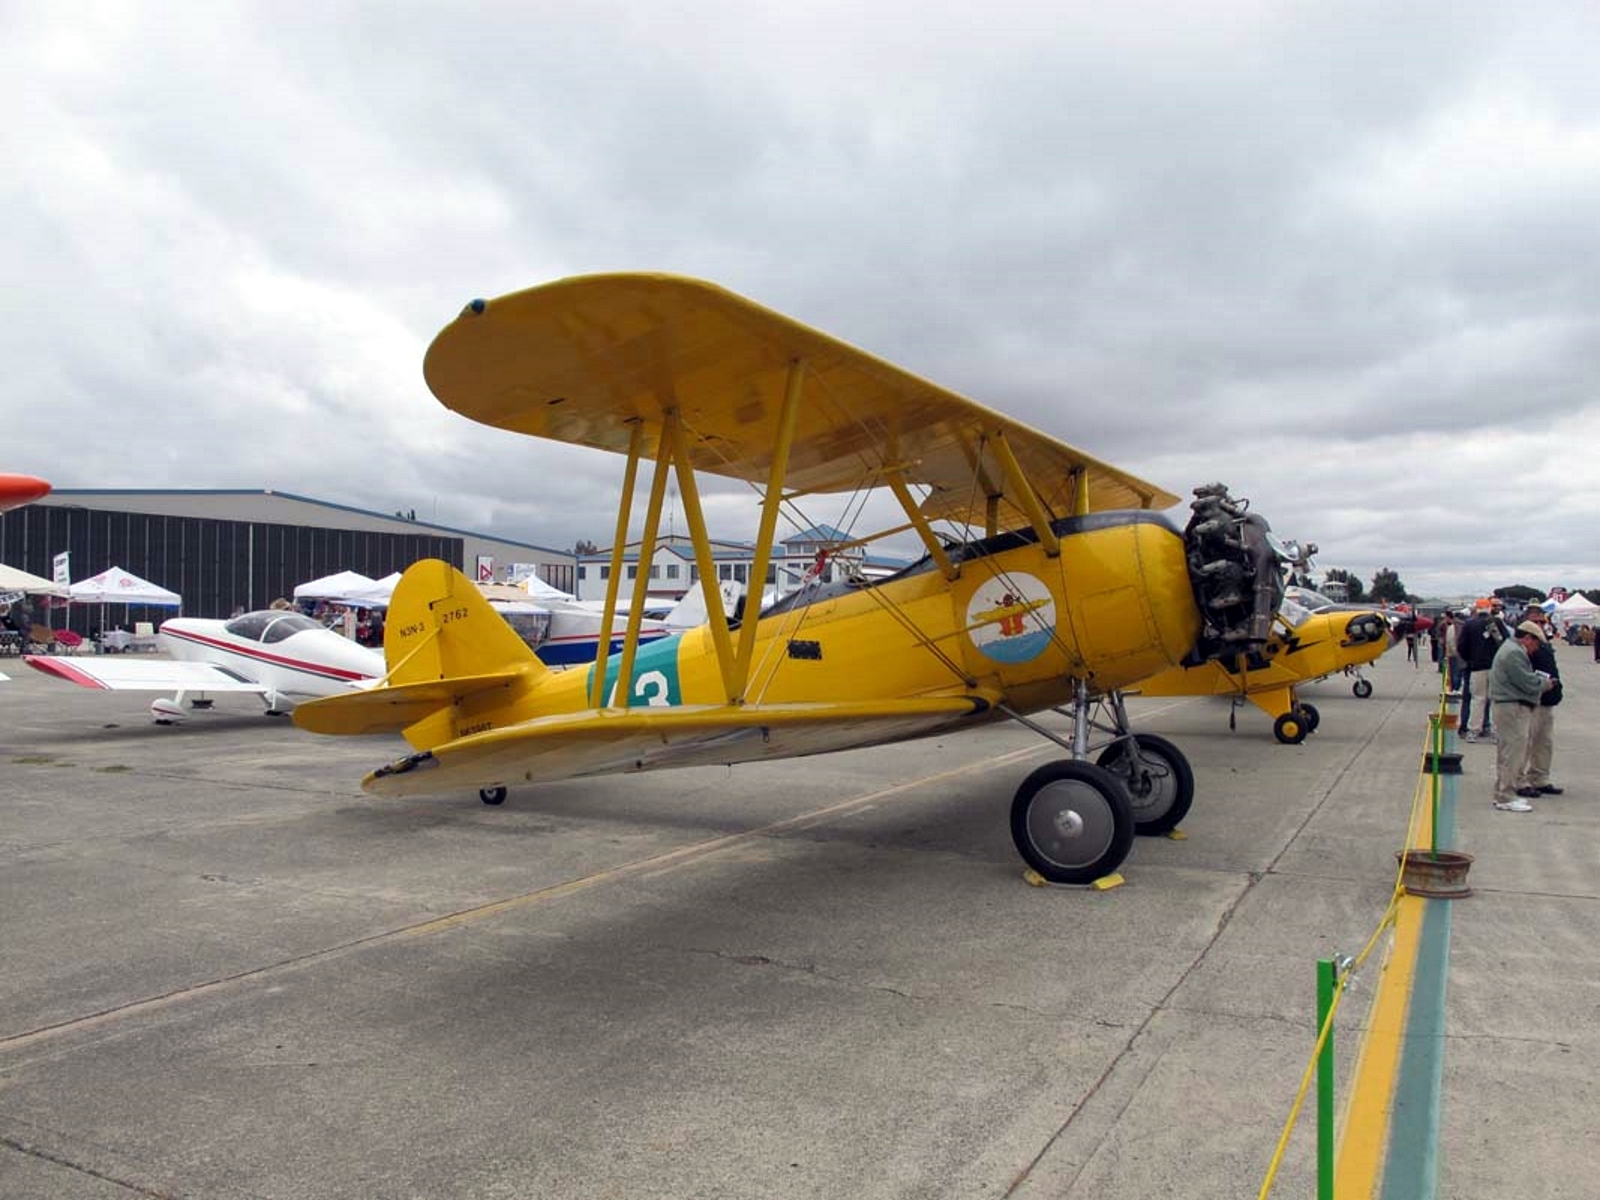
[1366, 1125]
[1362, 1147]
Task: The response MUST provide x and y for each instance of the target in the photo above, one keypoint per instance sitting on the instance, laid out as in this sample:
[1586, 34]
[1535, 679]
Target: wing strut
[788, 418]
[647, 552]
[1080, 492]
[597, 689]
[672, 442]
[902, 493]
[1022, 492]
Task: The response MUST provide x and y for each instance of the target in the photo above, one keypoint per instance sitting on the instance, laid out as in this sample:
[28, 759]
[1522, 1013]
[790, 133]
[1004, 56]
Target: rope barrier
[1423, 799]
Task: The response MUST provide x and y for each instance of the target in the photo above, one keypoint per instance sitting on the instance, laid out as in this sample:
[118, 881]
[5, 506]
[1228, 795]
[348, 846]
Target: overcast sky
[1342, 257]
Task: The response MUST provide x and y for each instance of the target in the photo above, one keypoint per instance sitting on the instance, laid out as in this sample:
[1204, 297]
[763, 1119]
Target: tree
[1354, 592]
[1387, 588]
[585, 546]
[1520, 593]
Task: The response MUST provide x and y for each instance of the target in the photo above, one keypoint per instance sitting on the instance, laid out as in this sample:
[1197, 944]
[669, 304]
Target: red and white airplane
[282, 656]
[17, 490]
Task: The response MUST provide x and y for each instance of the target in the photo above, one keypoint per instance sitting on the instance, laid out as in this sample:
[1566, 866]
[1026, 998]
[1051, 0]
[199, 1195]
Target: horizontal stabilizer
[391, 709]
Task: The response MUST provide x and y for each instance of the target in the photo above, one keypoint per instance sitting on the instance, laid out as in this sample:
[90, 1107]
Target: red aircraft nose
[17, 490]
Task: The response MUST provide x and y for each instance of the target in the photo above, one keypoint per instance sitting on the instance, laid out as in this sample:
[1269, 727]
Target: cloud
[1339, 257]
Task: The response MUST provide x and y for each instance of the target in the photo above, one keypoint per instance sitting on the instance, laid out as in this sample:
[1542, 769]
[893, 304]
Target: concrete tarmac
[225, 973]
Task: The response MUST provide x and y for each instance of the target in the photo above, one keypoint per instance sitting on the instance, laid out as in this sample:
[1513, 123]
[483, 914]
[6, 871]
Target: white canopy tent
[116, 586]
[338, 587]
[1578, 609]
[377, 594]
[14, 580]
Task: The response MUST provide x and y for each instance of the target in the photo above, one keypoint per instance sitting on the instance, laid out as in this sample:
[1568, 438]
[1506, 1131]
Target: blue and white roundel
[1011, 618]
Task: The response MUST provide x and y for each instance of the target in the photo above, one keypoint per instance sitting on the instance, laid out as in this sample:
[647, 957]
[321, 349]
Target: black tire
[1160, 783]
[1310, 715]
[1072, 822]
[494, 795]
[1290, 729]
[1362, 688]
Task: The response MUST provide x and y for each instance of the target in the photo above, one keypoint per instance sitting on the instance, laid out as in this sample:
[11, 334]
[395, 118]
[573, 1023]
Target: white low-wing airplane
[281, 656]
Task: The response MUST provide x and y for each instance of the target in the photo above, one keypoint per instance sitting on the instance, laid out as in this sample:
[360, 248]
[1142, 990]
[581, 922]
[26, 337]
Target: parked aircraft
[1303, 647]
[17, 490]
[280, 655]
[562, 632]
[683, 377]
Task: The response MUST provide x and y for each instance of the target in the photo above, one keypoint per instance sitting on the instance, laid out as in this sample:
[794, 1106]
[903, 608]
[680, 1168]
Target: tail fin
[440, 627]
[455, 666]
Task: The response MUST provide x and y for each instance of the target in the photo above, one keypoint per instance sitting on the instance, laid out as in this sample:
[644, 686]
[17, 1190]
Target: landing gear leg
[1071, 820]
[1157, 776]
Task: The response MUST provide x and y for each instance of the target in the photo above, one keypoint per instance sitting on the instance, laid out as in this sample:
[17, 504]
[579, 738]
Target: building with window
[672, 569]
[230, 549]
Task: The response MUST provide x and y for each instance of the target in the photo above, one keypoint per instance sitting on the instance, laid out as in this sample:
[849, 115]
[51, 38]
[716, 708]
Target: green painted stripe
[1411, 1167]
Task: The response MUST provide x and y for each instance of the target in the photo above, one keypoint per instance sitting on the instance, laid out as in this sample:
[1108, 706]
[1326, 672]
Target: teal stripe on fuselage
[655, 675]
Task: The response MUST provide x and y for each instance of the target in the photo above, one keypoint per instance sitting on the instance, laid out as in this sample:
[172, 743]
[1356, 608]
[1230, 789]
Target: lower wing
[123, 675]
[612, 741]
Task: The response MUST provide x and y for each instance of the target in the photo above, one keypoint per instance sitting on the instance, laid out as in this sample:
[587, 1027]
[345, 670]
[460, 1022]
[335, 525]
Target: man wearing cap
[1515, 688]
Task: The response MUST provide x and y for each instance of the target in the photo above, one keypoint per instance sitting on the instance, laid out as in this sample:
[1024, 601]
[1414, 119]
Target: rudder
[440, 627]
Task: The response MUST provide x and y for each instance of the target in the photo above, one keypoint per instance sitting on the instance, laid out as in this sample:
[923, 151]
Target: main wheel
[1072, 822]
[1310, 715]
[494, 795]
[1290, 729]
[1362, 688]
[1159, 782]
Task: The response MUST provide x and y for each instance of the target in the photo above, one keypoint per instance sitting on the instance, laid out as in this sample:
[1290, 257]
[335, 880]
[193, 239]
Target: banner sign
[63, 574]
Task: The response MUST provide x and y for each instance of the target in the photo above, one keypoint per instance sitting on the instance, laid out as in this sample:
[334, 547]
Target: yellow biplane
[1304, 646]
[1063, 582]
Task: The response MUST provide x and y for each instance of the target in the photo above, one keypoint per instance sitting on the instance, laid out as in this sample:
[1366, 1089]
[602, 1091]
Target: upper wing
[607, 741]
[584, 360]
[116, 674]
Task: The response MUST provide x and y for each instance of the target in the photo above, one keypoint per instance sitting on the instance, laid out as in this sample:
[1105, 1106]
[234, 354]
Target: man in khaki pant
[1515, 687]
[1535, 776]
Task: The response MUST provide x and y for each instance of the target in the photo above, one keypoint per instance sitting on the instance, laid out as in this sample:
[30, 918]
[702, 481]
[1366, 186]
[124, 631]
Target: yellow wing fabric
[583, 360]
[611, 741]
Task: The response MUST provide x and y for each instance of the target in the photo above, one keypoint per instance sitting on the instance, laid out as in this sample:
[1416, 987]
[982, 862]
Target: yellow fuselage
[1017, 626]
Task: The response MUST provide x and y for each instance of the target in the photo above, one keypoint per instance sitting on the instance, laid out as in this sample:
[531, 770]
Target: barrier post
[1327, 982]
[1433, 778]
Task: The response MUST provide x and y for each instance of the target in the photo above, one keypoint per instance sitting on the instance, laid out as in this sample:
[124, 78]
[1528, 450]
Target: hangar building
[229, 549]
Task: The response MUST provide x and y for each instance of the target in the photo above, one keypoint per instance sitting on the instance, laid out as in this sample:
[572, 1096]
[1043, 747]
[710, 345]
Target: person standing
[1450, 632]
[1480, 639]
[1515, 688]
[1535, 778]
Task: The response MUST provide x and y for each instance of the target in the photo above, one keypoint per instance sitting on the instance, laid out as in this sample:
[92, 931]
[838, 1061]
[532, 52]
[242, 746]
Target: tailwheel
[1158, 780]
[1362, 688]
[1072, 822]
[1290, 728]
[1311, 717]
[494, 795]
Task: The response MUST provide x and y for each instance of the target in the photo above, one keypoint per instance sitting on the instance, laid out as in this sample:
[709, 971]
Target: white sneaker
[1468, 736]
[1517, 805]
